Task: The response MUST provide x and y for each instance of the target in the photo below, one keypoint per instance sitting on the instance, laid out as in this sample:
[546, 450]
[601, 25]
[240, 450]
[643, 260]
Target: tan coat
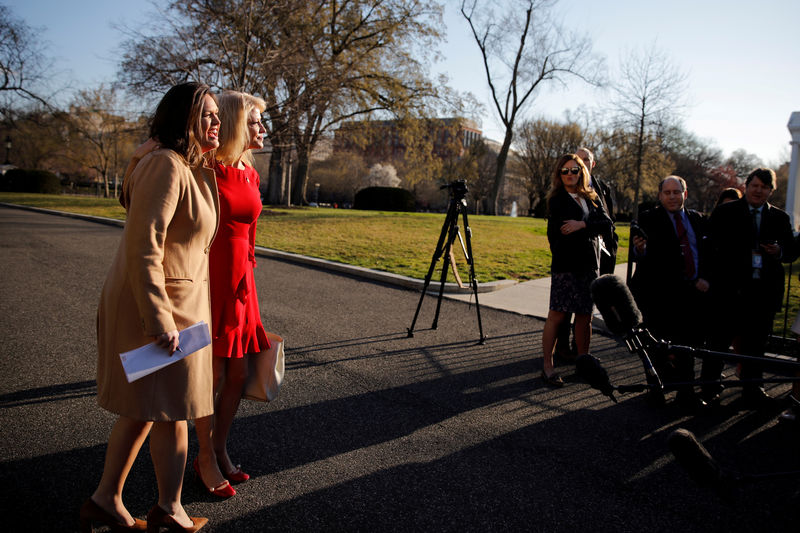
[157, 283]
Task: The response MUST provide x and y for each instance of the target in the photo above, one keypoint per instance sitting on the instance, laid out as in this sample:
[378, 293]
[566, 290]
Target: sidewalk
[530, 298]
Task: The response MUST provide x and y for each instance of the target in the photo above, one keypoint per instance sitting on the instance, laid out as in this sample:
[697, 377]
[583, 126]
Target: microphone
[698, 463]
[621, 315]
[590, 369]
[615, 302]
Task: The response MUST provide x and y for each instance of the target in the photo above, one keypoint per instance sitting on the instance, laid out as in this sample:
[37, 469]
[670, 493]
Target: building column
[793, 190]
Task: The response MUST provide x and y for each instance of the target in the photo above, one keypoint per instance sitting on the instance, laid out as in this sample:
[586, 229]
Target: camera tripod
[450, 230]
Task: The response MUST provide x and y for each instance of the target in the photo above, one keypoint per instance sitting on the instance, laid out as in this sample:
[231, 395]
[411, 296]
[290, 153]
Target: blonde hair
[234, 139]
[583, 188]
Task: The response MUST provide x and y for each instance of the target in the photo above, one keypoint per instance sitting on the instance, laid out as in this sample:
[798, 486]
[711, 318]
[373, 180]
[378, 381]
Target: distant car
[312, 204]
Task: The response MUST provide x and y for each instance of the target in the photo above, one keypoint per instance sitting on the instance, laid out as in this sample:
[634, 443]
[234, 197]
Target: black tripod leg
[437, 253]
[473, 281]
[451, 236]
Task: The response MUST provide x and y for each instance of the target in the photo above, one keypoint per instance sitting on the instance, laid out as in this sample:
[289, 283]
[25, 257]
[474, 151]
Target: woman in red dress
[235, 318]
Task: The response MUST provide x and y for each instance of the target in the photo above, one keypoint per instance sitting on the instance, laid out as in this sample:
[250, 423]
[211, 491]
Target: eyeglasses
[574, 170]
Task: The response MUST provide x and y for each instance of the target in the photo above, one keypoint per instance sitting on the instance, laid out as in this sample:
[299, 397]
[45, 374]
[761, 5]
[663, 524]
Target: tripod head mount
[458, 189]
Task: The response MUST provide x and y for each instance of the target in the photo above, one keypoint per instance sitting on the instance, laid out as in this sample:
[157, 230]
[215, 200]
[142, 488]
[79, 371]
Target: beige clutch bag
[265, 372]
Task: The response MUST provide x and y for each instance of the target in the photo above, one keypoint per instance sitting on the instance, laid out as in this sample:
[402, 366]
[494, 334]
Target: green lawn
[402, 243]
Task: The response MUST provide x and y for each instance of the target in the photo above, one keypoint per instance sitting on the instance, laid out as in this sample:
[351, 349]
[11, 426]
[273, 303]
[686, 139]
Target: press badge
[758, 260]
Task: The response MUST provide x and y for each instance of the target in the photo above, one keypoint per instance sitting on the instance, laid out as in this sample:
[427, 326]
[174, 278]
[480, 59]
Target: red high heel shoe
[91, 514]
[237, 476]
[158, 518]
[224, 490]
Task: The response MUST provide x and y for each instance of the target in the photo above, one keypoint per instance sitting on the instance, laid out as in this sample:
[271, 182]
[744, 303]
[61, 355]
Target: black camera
[457, 188]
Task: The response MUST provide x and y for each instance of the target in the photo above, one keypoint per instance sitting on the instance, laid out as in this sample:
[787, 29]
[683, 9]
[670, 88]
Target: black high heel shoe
[91, 514]
[553, 380]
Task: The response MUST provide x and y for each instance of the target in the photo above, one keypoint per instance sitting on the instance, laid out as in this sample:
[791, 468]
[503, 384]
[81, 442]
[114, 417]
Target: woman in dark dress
[576, 220]
[236, 321]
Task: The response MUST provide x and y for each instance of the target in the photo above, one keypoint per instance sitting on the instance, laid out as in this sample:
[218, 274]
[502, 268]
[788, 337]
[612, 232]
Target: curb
[379, 275]
[90, 218]
[322, 264]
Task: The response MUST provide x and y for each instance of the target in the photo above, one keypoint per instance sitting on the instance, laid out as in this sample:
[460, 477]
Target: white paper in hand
[151, 357]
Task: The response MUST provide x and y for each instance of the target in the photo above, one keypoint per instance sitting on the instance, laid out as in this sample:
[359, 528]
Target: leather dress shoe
[553, 380]
[756, 397]
[690, 403]
[788, 415]
[158, 518]
[713, 400]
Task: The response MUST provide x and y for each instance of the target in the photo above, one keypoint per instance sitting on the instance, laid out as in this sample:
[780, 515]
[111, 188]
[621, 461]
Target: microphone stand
[774, 364]
[640, 341]
[637, 341]
[674, 385]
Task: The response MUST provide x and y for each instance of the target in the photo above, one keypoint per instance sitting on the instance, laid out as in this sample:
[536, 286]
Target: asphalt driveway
[373, 431]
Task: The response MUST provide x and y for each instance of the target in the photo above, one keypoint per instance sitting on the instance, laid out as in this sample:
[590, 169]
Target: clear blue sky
[742, 57]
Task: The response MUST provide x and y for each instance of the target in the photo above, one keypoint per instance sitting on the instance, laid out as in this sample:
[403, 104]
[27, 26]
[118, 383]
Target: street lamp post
[316, 194]
[8, 149]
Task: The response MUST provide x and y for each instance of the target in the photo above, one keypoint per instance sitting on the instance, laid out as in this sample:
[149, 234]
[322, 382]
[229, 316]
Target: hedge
[36, 181]
[384, 199]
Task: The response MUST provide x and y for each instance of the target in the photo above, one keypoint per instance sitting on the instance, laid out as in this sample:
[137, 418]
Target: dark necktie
[686, 249]
[756, 227]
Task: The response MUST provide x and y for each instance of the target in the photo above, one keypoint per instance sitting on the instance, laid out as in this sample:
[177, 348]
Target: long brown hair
[176, 122]
[584, 187]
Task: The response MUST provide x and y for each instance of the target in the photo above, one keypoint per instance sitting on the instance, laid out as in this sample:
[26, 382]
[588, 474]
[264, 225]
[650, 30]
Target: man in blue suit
[668, 285]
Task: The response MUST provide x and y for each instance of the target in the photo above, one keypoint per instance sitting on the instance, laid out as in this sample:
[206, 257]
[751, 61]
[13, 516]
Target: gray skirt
[569, 292]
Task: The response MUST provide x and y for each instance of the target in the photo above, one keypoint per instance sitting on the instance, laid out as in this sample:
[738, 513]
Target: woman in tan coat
[158, 285]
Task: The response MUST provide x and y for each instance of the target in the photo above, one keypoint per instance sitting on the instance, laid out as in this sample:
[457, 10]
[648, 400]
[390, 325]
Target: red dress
[235, 318]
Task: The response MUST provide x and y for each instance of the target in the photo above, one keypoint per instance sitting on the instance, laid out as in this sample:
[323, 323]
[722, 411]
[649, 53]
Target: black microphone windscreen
[590, 369]
[615, 302]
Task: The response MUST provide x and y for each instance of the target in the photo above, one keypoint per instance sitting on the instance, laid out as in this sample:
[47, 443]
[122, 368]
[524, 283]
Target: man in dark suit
[748, 238]
[608, 253]
[668, 286]
[608, 259]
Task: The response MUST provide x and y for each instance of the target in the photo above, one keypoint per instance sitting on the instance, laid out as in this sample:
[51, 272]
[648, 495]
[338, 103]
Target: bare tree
[540, 143]
[316, 63]
[701, 164]
[742, 162]
[24, 67]
[340, 176]
[615, 152]
[480, 189]
[39, 142]
[101, 139]
[648, 92]
[778, 197]
[522, 48]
